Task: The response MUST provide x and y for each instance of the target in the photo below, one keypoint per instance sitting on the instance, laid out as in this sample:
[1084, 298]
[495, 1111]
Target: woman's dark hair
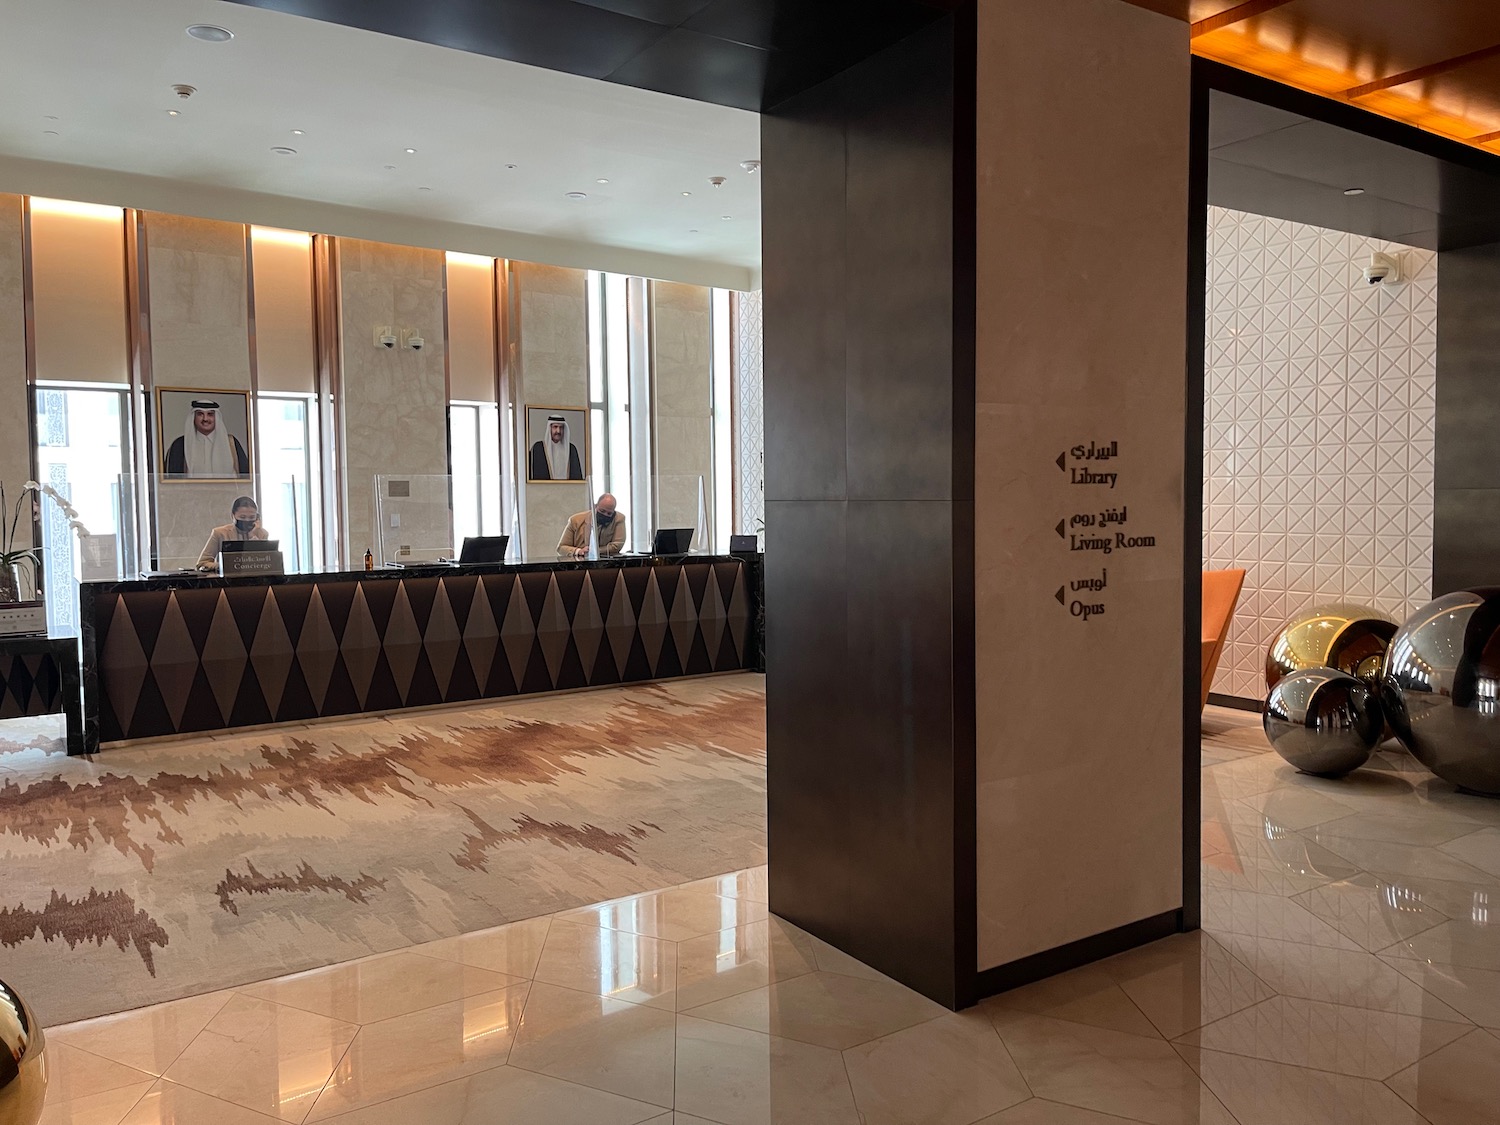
[242, 501]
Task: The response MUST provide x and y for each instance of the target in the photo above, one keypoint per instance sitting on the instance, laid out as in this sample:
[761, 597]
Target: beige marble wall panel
[15, 411]
[682, 401]
[395, 409]
[78, 286]
[553, 371]
[199, 304]
[1081, 168]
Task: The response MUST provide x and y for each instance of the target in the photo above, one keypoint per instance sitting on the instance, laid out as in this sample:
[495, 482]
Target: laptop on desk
[484, 550]
[673, 541]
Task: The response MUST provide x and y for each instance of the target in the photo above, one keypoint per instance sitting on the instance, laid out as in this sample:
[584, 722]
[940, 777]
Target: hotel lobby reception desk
[172, 656]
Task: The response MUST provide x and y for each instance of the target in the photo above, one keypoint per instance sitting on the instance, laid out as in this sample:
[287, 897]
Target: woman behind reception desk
[244, 526]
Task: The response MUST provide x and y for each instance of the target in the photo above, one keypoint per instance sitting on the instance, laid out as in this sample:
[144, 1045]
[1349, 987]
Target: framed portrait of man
[203, 434]
[557, 444]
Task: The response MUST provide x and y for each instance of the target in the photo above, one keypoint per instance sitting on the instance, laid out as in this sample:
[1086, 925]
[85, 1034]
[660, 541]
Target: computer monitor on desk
[479, 550]
[673, 541]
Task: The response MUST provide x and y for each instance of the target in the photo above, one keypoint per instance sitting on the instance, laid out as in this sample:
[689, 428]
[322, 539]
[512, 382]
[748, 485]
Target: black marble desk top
[437, 570]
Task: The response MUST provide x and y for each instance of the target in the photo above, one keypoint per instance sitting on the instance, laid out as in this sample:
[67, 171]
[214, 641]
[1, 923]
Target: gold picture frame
[233, 417]
[576, 421]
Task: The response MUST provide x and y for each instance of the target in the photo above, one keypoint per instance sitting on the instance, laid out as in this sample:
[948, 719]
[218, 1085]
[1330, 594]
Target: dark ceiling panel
[668, 13]
[1268, 160]
[555, 34]
[749, 54]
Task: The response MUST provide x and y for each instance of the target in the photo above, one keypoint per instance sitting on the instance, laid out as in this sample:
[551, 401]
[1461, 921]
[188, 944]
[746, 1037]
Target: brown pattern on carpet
[525, 752]
[97, 917]
[527, 828]
[306, 881]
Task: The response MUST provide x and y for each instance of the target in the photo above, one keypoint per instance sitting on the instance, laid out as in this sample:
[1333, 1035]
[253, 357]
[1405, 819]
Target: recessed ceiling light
[578, 195]
[50, 133]
[424, 189]
[411, 152]
[296, 132]
[692, 232]
[282, 150]
[601, 180]
[511, 167]
[1354, 191]
[49, 117]
[751, 166]
[174, 113]
[210, 33]
[726, 218]
[687, 193]
[390, 167]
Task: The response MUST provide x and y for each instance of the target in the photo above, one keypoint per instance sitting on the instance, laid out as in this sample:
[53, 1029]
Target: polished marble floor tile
[1130, 1076]
[512, 950]
[415, 1050]
[1088, 995]
[267, 1057]
[1478, 849]
[1185, 981]
[1425, 828]
[1372, 912]
[1385, 858]
[170, 1104]
[378, 988]
[1246, 914]
[1359, 1042]
[1458, 1085]
[1337, 976]
[1457, 942]
[107, 1107]
[1040, 1111]
[716, 966]
[73, 1074]
[613, 963]
[732, 1076]
[675, 914]
[1258, 1092]
[825, 1009]
[948, 1071]
[1475, 993]
[753, 884]
[611, 1045]
[505, 1096]
[147, 1039]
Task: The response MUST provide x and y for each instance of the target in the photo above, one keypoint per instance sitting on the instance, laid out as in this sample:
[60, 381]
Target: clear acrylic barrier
[413, 518]
[682, 503]
[184, 513]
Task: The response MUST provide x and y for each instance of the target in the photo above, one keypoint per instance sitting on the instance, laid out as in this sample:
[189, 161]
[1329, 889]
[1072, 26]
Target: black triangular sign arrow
[1060, 525]
[1060, 596]
[1061, 457]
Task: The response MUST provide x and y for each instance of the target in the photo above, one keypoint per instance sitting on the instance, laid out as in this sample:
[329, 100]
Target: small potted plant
[11, 555]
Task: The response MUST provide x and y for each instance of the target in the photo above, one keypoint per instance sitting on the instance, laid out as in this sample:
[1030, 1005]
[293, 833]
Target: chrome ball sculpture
[1442, 687]
[1323, 721]
[23, 1063]
[1350, 638]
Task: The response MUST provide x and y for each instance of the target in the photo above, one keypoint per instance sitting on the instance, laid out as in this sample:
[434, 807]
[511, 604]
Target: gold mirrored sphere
[1348, 638]
[23, 1061]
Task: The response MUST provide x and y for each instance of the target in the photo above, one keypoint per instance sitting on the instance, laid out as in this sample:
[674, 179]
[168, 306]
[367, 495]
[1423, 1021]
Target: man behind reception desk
[245, 525]
[609, 523]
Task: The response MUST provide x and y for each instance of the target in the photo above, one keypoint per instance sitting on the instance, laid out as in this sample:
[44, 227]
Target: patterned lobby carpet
[162, 871]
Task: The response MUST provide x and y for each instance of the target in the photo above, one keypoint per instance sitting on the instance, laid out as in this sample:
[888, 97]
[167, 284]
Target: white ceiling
[103, 69]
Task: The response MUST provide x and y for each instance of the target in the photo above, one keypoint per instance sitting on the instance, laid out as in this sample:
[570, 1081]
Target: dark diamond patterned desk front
[167, 657]
[39, 676]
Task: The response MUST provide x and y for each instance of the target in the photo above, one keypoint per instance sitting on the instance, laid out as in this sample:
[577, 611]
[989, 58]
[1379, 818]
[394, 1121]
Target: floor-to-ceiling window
[474, 451]
[83, 451]
[290, 500]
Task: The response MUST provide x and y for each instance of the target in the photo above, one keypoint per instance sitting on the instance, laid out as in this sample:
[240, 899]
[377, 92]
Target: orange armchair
[1221, 593]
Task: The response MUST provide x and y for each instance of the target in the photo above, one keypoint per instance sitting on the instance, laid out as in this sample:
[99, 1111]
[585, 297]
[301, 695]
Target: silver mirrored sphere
[1442, 687]
[23, 1062]
[1323, 721]
[1351, 638]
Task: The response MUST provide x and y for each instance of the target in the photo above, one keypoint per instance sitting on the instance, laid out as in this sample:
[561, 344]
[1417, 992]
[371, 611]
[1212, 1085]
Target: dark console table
[39, 676]
[166, 656]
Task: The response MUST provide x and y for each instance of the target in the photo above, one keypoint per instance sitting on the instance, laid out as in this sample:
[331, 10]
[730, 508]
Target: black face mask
[245, 525]
[604, 520]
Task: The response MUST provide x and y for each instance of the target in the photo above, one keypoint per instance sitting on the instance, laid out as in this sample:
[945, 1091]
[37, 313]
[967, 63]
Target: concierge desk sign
[1096, 527]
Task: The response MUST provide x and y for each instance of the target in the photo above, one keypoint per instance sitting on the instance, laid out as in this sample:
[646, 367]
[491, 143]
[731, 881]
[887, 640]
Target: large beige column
[15, 407]
[1082, 225]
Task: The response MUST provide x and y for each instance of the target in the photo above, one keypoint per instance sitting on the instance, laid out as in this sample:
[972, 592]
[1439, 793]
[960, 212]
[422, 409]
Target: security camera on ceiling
[411, 338]
[1384, 269]
[385, 338]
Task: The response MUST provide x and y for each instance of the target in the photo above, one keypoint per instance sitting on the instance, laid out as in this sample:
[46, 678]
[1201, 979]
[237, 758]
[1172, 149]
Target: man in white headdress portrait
[206, 447]
[554, 456]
